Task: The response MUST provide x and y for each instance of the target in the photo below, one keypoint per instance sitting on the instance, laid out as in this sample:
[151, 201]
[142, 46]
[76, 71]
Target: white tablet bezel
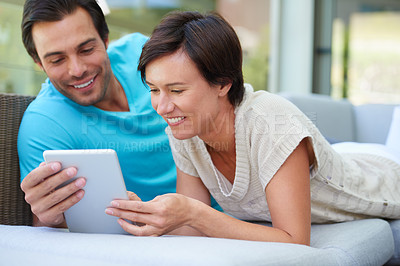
[104, 183]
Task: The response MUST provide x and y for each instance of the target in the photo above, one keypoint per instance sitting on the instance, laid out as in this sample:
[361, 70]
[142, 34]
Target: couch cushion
[395, 260]
[333, 118]
[364, 242]
[372, 122]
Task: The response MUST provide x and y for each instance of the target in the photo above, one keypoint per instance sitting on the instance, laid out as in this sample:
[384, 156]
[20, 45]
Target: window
[366, 52]
[19, 74]
[251, 22]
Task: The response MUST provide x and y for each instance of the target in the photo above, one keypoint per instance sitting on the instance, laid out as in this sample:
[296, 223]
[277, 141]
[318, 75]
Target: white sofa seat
[364, 242]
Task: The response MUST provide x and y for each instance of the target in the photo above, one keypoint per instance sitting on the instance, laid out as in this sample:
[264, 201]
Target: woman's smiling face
[183, 97]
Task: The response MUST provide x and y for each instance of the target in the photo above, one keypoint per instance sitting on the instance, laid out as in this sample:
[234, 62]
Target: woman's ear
[224, 89]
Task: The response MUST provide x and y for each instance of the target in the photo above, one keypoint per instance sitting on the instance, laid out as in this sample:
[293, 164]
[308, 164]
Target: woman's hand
[159, 216]
[133, 196]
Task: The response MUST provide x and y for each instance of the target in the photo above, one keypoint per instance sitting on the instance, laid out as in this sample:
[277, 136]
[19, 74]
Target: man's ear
[39, 64]
[106, 42]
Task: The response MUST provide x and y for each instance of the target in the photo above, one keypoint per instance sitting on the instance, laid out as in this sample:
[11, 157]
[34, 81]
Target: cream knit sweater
[267, 130]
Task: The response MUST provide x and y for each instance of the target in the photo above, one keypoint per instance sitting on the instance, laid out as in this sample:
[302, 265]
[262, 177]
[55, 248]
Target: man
[93, 99]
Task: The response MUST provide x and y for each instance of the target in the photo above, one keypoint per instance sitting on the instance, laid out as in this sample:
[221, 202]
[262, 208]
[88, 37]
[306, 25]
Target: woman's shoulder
[265, 103]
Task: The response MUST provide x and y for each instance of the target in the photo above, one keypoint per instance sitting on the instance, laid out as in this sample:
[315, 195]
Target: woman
[254, 152]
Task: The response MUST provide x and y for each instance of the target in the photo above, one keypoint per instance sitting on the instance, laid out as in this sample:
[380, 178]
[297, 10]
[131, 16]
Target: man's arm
[38, 133]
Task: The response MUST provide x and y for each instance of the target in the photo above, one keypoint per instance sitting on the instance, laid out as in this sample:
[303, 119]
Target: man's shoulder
[52, 104]
[132, 43]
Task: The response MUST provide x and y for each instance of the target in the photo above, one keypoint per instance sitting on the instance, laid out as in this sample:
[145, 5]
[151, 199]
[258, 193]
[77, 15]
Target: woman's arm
[288, 196]
[194, 188]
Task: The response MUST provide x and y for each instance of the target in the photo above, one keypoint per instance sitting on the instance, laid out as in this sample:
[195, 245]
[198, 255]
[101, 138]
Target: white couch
[364, 242]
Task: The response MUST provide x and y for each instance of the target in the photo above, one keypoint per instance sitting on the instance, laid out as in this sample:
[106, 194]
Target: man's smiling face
[74, 57]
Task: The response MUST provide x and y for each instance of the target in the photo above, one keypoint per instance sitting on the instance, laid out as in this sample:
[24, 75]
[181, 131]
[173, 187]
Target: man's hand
[48, 204]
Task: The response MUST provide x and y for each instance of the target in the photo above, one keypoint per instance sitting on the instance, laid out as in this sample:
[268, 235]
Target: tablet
[104, 183]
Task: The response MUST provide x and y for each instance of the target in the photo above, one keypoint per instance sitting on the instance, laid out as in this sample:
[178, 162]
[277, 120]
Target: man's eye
[87, 51]
[56, 61]
[176, 91]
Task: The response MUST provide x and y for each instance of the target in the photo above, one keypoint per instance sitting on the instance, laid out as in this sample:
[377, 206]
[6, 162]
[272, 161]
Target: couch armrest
[13, 208]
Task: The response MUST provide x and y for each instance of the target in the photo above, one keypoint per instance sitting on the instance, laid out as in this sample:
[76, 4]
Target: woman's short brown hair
[209, 41]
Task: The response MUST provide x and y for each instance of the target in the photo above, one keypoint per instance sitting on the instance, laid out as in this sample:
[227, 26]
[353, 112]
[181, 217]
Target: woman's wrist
[195, 213]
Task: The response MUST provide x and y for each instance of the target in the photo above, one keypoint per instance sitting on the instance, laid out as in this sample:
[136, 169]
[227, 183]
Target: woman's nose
[164, 105]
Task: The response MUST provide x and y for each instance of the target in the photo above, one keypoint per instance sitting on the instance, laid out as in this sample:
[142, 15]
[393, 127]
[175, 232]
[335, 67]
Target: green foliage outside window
[19, 74]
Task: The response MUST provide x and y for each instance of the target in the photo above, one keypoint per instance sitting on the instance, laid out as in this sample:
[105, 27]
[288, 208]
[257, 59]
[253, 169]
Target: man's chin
[87, 103]
[84, 100]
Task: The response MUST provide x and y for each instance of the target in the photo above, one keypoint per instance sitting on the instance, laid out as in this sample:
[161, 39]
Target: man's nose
[76, 67]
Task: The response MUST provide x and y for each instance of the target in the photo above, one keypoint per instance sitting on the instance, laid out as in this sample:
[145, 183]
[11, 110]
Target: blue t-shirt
[52, 121]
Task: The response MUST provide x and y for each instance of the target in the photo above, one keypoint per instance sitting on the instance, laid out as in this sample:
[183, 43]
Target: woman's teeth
[175, 120]
[84, 85]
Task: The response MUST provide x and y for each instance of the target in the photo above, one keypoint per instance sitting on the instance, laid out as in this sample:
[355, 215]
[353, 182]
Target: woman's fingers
[135, 206]
[145, 230]
[133, 196]
[132, 215]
